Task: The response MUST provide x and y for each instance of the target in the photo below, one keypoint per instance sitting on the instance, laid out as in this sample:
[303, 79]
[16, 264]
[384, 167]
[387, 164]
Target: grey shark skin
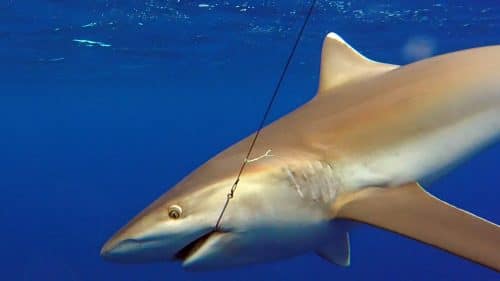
[356, 151]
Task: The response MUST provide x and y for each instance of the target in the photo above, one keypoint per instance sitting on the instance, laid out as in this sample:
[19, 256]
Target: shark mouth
[192, 247]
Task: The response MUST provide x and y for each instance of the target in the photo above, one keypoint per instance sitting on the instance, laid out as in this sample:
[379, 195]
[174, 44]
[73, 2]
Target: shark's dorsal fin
[410, 211]
[340, 63]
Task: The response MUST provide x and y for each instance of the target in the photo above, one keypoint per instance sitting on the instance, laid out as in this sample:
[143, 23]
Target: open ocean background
[106, 104]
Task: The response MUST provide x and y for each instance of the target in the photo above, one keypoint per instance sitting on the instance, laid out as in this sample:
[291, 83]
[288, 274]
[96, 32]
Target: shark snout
[121, 247]
[139, 241]
[136, 243]
[170, 229]
[137, 250]
[124, 250]
[106, 250]
[119, 250]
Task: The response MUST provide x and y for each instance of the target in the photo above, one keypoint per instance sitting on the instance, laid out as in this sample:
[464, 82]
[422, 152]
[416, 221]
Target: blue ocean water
[104, 105]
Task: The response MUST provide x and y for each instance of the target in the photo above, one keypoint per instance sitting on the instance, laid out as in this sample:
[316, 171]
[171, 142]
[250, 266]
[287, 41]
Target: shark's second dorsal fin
[340, 63]
[410, 211]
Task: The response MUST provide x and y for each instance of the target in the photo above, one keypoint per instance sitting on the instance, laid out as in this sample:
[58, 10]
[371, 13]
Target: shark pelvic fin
[410, 211]
[338, 250]
[340, 63]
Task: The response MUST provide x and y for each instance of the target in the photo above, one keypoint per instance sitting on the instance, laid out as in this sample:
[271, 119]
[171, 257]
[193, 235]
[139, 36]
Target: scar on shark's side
[357, 151]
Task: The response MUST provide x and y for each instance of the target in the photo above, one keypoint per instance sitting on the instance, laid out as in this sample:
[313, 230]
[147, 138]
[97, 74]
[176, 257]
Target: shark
[360, 151]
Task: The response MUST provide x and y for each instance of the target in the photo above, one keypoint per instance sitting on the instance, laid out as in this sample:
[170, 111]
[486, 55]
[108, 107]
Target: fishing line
[230, 195]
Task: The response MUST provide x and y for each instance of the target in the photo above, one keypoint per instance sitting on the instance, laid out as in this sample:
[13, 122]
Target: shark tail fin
[410, 211]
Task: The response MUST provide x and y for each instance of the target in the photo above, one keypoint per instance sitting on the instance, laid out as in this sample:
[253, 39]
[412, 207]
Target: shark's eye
[174, 211]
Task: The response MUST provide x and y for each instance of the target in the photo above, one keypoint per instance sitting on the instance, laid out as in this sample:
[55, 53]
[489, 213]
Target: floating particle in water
[420, 47]
[89, 43]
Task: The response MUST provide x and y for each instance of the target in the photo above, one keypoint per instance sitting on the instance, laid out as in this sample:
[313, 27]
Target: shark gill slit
[315, 181]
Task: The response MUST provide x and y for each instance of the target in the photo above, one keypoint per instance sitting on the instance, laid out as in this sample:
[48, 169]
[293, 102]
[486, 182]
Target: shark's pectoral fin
[337, 250]
[340, 63]
[411, 211]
